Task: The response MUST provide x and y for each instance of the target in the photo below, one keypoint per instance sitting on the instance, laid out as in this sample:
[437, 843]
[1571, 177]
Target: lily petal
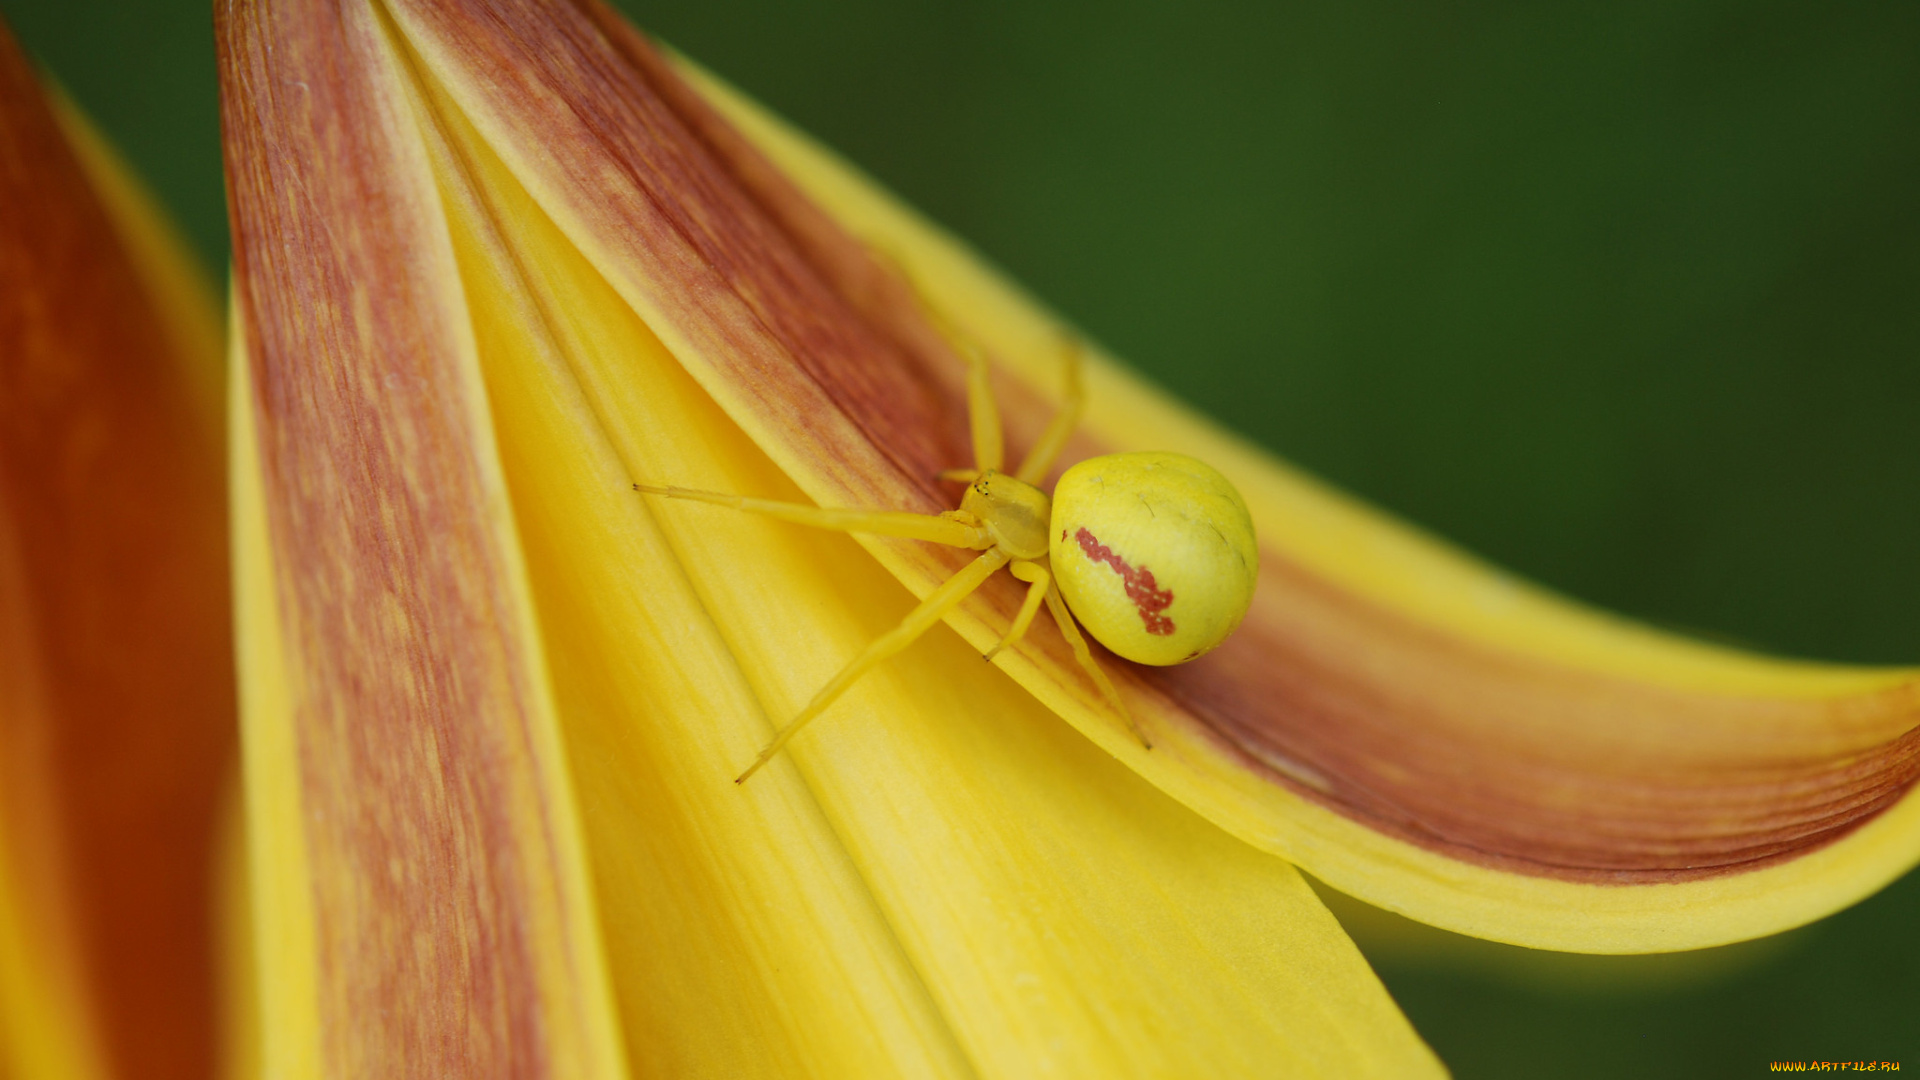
[1431, 735]
[1419, 730]
[420, 892]
[116, 707]
[1003, 806]
[450, 397]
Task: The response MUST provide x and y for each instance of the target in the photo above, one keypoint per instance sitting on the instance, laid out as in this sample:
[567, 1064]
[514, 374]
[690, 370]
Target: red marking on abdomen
[1141, 588]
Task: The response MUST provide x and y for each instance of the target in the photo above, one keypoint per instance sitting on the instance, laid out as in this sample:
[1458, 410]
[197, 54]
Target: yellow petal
[116, 710]
[1433, 736]
[1420, 731]
[1138, 940]
[956, 884]
[420, 893]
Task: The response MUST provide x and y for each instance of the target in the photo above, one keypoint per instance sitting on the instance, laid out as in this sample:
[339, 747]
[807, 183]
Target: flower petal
[420, 892]
[1031, 904]
[1415, 728]
[1433, 736]
[116, 706]
[1041, 906]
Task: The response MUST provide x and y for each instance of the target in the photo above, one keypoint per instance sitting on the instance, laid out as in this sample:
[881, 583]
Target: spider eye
[1154, 553]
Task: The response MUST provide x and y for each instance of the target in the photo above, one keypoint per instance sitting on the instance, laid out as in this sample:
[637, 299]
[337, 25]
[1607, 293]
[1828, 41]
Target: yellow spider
[1153, 552]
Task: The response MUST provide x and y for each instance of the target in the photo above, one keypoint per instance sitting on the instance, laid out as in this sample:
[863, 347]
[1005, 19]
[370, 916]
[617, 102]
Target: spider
[1154, 552]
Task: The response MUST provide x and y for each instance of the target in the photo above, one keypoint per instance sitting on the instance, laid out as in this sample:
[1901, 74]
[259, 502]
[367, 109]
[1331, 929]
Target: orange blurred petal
[116, 693]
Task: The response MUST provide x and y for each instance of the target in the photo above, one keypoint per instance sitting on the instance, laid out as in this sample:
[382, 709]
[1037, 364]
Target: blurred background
[1627, 301]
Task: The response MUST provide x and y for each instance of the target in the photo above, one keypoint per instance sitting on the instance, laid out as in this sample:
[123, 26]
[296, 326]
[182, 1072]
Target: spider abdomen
[1154, 553]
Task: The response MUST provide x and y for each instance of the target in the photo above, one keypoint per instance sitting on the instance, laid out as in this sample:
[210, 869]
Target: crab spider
[1153, 552]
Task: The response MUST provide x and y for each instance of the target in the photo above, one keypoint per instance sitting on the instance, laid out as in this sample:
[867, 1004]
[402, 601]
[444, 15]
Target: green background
[1627, 301]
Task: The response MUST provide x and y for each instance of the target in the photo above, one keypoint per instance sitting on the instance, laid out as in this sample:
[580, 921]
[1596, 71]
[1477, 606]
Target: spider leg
[1071, 631]
[937, 528]
[1040, 459]
[918, 621]
[960, 476]
[982, 414]
[1040, 579]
